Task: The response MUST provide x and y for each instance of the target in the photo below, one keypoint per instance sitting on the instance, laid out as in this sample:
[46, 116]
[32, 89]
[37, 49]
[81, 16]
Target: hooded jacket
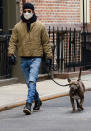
[32, 43]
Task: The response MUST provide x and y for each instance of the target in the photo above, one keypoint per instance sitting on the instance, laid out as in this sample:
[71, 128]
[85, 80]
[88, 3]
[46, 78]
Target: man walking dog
[31, 39]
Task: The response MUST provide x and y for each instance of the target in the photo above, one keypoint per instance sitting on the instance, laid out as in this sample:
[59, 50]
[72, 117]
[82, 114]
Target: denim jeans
[30, 68]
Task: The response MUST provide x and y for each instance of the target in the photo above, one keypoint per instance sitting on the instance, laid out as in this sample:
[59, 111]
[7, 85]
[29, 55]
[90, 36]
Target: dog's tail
[79, 77]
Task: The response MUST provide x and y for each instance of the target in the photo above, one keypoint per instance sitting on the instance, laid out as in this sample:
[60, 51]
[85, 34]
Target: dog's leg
[77, 103]
[81, 102]
[72, 102]
[78, 106]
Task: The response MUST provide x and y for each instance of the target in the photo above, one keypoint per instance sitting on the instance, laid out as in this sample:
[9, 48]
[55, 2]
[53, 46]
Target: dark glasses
[29, 11]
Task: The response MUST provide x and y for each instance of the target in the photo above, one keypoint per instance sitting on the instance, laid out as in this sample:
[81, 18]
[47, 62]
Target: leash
[58, 83]
[49, 72]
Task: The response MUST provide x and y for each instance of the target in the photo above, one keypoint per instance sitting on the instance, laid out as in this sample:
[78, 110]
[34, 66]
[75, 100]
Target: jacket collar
[29, 22]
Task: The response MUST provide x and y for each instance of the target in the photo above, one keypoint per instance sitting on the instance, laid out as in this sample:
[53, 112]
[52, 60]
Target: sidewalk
[15, 94]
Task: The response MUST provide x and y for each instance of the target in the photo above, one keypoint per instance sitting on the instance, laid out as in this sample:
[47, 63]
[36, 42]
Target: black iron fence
[86, 50]
[71, 49]
[5, 68]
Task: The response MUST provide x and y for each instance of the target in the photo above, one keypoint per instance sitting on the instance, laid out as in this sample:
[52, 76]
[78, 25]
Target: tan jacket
[30, 44]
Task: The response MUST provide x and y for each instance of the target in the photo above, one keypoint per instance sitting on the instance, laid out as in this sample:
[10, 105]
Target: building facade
[62, 12]
[71, 13]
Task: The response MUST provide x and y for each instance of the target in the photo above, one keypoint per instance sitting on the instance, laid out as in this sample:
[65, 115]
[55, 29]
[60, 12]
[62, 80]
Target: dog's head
[73, 84]
[74, 87]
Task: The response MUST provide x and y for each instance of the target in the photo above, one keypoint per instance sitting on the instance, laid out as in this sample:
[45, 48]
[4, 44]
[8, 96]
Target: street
[55, 115]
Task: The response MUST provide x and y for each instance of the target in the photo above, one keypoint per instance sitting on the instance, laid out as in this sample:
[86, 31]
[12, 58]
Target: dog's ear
[69, 80]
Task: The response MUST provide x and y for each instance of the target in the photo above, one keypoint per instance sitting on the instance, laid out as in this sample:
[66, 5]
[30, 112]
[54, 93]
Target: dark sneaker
[37, 105]
[27, 109]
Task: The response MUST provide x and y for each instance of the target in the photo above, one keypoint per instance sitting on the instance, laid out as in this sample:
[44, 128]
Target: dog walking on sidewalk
[76, 93]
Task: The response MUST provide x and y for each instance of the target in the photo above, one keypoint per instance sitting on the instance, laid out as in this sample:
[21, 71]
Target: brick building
[62, 12]
[51, 12]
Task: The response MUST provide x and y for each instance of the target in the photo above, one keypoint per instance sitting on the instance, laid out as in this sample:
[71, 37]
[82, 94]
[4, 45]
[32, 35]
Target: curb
[45, 98]
[89, 89]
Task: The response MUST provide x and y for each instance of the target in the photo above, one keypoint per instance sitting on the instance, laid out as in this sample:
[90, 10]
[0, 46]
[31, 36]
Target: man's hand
[11, 59]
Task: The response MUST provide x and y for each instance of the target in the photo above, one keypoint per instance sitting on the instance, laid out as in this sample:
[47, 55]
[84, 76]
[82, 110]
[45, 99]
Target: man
[30, 37]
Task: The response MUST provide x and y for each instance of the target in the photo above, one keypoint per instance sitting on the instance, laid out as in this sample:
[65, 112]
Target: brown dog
[76, 93]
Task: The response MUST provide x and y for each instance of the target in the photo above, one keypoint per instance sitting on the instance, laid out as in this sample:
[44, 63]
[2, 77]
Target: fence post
[84, 50]
[62, 52]
[53, 51]
[69, 50]
[74, 39]
[58, 48]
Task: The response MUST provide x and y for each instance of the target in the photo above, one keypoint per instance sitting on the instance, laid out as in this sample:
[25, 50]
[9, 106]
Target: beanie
[28, 6]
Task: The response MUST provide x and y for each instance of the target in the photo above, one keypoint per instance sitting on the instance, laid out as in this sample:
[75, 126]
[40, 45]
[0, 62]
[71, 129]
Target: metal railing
[70, 49]
[5, 68]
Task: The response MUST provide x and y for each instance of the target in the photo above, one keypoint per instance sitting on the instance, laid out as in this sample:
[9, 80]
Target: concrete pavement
[15, 95]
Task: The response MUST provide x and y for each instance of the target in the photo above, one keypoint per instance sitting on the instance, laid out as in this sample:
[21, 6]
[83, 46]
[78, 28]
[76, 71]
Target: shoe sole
[36, 110]
[27, 112]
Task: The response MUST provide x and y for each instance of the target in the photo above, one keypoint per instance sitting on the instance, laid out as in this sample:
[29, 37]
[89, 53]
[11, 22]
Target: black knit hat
[28, 6]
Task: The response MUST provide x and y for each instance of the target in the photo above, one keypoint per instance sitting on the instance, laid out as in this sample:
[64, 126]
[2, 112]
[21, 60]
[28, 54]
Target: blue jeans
[30, 68]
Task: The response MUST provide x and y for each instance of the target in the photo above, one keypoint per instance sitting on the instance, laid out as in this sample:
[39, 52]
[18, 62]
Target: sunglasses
[29, 11]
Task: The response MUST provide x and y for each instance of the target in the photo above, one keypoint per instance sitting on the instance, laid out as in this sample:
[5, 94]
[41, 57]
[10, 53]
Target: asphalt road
[55, 115]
